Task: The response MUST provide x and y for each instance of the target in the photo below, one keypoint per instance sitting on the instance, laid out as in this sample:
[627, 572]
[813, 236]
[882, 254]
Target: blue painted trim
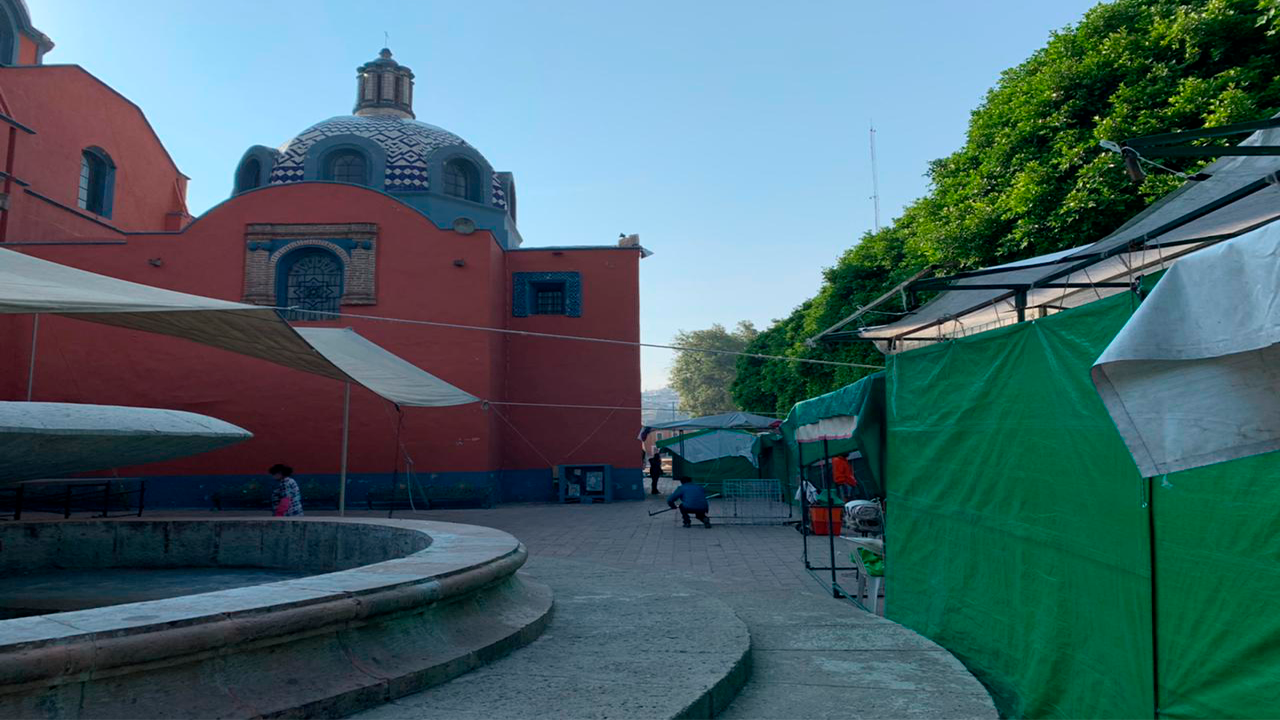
[74, 210]
[439, 210]
[317, 159]
[347, 244]
[435, 172]
[508, 486]
[266, 158]
[108, 181]
[523, 291]
[8, 30]
[509, 191]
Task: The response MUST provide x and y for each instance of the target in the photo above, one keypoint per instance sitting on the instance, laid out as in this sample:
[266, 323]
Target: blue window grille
[310, 284]
[546, 293]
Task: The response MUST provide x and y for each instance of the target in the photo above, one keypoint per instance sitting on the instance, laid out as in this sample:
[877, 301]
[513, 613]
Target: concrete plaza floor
[810, 655]
[813, 656]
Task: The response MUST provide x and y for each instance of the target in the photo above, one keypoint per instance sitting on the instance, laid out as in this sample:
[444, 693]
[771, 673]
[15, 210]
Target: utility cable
[580, 338]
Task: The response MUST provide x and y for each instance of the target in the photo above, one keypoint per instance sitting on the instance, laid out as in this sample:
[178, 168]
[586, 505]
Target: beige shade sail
[32, 285]
[382, 372]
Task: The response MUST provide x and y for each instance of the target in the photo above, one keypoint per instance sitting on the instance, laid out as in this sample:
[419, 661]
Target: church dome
[406, 144]
[382, 146]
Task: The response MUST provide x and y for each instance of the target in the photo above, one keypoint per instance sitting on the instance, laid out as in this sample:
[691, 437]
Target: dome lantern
[384, 87]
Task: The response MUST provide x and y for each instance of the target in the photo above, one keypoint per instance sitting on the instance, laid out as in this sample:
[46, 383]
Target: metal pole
[31, 370]
[342, 479]
[831, 530]
[875, 178]
[1155, 654]
[804, 514]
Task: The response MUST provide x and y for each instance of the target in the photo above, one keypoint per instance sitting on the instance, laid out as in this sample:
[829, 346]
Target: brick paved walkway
[622, 535]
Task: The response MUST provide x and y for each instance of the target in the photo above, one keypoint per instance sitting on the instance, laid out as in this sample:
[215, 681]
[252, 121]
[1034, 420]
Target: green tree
[1030, 178]
[703, 379]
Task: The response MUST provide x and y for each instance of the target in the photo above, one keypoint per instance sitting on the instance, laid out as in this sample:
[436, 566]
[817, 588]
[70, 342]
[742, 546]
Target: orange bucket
[823, 519]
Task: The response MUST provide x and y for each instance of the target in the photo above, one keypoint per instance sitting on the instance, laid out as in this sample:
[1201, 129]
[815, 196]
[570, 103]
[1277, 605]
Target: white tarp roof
[32, 285]
[840, 427]
[42, 440]
[961, 312]
[1194, 377]
[386, 374]
[713, 445]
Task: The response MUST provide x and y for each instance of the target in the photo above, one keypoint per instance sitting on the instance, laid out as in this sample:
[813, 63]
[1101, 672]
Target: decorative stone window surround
[524, 286]
[354, 244]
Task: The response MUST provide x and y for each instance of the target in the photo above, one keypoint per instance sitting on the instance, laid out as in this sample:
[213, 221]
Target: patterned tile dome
[407, 143]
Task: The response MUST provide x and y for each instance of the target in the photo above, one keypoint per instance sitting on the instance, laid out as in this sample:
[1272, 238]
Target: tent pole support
[831, 526]
[346, 432]
[31, 369]
[1155, 651]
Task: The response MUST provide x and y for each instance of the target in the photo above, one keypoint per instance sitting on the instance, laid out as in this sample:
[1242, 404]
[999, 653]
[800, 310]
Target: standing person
[693, 501]
[655, 472]
[286, 499]
[842, 475]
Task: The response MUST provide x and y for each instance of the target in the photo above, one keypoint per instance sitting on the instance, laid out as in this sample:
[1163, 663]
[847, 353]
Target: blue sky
[732, 136]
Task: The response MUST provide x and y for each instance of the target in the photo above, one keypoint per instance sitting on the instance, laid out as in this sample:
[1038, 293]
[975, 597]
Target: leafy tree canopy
[703, 379]
[1030, 178]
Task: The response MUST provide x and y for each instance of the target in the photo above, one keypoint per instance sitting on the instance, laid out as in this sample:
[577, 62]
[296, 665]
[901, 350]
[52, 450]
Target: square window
[548, 298]
[546, 293]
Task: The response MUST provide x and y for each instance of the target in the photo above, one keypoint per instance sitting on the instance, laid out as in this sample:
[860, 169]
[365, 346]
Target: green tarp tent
[712, 456]
[841, 422]
[1018, 536]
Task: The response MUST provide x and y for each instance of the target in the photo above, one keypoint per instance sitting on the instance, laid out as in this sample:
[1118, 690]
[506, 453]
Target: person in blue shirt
[693, 501]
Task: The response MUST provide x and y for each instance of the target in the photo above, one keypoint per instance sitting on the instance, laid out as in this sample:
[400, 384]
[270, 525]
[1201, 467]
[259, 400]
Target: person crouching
[693, 501]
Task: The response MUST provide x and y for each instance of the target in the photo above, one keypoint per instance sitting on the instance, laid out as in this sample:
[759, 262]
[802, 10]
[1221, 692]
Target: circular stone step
[620, 644]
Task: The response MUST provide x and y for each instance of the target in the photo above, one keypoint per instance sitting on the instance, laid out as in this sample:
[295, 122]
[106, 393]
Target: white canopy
[40, 440]
[1194, 377]
[32, 285]
[386, 374]
[713, 445]
[1147, 243]
[840, 427]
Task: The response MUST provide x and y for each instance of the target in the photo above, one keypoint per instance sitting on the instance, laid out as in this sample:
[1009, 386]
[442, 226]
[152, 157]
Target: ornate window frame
[524, 286]
[355, 245]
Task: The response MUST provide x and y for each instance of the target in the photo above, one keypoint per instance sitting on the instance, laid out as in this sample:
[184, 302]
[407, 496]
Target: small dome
[407, 144]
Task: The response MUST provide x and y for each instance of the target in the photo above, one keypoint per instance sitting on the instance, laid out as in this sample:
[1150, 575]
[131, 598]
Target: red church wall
[295, 417]
[422, 273]
[28, 52]
[70, 110]
[561, 372]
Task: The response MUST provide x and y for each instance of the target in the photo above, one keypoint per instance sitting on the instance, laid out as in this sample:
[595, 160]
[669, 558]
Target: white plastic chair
[867, 582]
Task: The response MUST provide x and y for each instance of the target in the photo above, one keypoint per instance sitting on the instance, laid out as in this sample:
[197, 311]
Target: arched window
[250, 175]
[310, 282]
[347, 166]
[462, 180]
[8, 40]
[97, 180]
